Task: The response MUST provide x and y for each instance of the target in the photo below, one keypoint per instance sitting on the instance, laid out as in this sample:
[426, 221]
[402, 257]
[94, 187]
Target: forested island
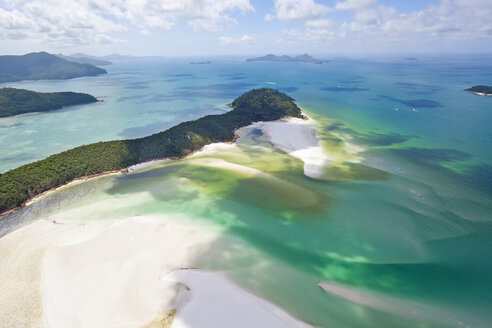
[43, 66]
[20, 101]
[481, 90]
[297, 59]
[20, 184]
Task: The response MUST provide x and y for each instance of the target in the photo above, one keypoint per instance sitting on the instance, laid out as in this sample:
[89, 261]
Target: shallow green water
[406, 229]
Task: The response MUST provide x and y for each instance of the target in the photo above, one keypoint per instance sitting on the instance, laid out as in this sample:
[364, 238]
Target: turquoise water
[408, 229]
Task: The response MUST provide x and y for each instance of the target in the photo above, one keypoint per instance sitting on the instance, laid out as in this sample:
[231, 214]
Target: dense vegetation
[484, 89]
[22, 183]
[42, 65]
[19, 101]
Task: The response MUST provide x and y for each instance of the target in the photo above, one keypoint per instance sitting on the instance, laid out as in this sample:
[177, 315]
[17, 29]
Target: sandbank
[297, 138]
[135, 271]
[113, 279]
[22, 253]
[212, 300]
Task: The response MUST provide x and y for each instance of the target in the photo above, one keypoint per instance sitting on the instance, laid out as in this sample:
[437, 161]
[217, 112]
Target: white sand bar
[297, 138]
[21, 254]
[213, 301]
[113, 278]
[130, 274]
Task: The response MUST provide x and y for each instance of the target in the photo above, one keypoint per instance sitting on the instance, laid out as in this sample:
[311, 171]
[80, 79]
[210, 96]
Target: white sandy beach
[113, 278]
[297, 138]
[21, 255]
[213, 301]
[125, 277]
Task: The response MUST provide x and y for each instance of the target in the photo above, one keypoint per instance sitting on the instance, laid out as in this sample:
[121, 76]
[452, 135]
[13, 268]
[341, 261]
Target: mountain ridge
[43, 66]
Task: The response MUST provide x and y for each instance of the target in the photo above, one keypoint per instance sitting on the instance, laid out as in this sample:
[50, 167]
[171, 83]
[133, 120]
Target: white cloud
[295, 33]
[200, 14]
[69, 23]
[297, 9]
[376, 25]
[355, 4]
[245, 39]
[320, 35]
[63, 22]
[82, 22]
[320, 23]
[311, 35]
[447, 20]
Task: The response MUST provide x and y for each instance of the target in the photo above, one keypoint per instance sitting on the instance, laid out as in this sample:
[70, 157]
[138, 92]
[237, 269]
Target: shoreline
[123, 171]
[478, 93]
[45, 193]
[24, 182]
[306, 122]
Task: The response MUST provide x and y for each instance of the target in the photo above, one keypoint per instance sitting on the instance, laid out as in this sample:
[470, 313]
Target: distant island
[201, 63]
[481, 90]
[86, 59]
[27, 181]
[20, 101]
[297, 59]
[43, 66]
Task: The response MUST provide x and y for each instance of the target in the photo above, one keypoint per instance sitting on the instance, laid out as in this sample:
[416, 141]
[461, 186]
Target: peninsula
[43, 66]
[20, 101]
[481, 90]
[25, 182]
[297, 59]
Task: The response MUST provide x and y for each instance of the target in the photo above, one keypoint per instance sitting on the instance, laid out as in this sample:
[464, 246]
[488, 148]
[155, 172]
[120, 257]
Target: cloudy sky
[213, 27]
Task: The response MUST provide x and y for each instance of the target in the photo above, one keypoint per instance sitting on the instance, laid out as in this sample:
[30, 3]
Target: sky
[241, 27]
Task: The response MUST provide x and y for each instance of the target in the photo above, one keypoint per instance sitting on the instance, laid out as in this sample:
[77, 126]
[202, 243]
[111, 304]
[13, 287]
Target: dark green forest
[481, 89]
[20, 184]
[19, 101]
[43, 66]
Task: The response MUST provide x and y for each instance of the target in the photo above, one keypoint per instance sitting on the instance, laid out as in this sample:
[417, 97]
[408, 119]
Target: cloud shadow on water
[371, 138]
[418, 89]
[416, 103]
